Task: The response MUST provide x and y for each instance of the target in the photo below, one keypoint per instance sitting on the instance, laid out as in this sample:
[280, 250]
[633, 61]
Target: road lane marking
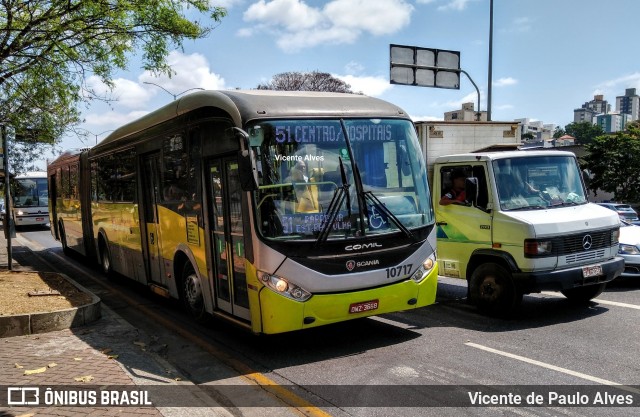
[553, 367]
[601, 301]
[617, 304]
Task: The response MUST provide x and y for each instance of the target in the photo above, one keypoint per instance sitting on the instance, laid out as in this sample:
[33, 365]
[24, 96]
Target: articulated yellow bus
[277, 210]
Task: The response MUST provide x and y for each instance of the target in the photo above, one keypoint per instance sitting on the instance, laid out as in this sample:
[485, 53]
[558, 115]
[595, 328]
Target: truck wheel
[492, 290]
[583, 295]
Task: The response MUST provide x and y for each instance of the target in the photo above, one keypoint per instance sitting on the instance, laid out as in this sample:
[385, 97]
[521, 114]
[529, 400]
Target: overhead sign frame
[424, 67]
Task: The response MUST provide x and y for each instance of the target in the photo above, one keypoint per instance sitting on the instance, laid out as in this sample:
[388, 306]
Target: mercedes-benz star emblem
[587, 242]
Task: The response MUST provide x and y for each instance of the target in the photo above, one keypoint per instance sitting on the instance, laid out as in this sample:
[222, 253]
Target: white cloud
[191, 71]
[457, 5]
[292, 15]
[111, 119]
[506, 81]
[353, 68]
[370, 86]
[298, 25]
[618, 85]
[519, 25]
[227, 4]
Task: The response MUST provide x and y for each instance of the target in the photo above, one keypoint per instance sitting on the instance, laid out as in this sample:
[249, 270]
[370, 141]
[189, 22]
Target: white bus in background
[30, 199]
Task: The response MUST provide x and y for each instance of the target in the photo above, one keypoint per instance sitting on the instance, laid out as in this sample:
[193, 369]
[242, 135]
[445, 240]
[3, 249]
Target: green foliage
[584, 132]
[306, 81]
[49, 49]
[613, 162]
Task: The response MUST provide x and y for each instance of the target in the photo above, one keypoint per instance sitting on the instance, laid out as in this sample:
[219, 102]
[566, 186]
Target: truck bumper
[565, 279]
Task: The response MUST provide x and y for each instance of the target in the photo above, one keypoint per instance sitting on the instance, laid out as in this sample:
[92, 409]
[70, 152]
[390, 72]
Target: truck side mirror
[471, 190]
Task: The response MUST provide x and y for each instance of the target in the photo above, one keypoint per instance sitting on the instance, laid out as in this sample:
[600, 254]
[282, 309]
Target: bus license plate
[591, 271]
[363, 306]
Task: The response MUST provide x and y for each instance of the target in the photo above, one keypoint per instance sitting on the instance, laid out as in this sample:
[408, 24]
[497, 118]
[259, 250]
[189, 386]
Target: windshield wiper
[339, 196]
[368, 195]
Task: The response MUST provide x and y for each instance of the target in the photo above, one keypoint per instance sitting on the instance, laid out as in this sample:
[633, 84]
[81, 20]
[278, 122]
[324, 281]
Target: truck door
[462, 228]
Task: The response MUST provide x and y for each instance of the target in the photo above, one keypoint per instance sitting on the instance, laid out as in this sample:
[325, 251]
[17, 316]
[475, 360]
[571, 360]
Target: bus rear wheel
[63, 239]
[192, 296]
[105, 260]
[492, 290]
[583, 295]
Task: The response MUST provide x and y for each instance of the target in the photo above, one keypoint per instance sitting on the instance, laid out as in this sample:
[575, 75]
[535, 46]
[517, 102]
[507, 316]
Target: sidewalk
[108, 352]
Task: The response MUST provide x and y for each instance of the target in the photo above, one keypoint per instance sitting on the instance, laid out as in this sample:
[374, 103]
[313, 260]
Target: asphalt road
[431, 361]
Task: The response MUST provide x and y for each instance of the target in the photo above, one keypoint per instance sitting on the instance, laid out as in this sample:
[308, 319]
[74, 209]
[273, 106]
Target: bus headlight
[284, 287]
[426, 267]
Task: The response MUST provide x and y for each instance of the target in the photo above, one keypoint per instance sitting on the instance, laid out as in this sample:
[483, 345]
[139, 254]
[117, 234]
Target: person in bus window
[298, 173]
[456, 194]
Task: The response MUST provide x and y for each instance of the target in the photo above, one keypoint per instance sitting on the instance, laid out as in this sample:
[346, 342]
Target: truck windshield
[538, 182]
[337, 179]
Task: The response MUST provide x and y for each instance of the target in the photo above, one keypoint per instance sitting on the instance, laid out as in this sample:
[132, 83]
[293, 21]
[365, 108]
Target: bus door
[227, 237]
[151, 193]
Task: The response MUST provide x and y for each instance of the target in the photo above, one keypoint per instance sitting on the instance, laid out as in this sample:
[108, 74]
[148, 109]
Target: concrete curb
[42, 322]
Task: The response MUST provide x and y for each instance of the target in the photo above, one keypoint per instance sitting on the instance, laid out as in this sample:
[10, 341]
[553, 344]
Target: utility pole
[490, 81]
[7, 222]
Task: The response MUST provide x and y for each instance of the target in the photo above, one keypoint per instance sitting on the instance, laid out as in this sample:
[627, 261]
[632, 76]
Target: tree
[306, 81]
[584, 132]
[558, 133]
[613, 162]
[49, 49]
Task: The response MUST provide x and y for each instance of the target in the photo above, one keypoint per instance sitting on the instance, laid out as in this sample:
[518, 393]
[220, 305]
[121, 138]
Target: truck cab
[522, 225]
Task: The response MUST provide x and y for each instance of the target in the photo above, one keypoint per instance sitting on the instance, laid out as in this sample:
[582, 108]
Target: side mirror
[247, 170]
[471, 190]
[246, 161]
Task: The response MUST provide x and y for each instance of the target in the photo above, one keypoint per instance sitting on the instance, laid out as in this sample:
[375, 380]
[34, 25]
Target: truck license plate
[591, 271]
[363, 306]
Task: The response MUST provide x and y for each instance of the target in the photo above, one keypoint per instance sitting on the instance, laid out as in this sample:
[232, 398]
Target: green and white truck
[524, 226]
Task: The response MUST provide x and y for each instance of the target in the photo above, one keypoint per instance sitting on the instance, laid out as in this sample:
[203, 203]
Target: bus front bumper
[280, 314]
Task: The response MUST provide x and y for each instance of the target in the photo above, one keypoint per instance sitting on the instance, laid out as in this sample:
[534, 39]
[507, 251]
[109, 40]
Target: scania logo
[587, 242]
[363, 246]
[351, 265]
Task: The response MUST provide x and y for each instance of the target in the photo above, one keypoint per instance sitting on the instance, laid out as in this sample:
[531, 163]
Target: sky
[549, 56]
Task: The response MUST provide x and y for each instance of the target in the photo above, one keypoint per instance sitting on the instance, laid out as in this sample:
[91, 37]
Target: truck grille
[582, 244]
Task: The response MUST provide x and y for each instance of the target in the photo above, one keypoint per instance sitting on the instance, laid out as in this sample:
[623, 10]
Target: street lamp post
[97, 134]
[175, 96]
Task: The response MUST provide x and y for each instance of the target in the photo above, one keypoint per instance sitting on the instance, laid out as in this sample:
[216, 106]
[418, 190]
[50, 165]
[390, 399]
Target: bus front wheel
[492, 290]
[192, 296]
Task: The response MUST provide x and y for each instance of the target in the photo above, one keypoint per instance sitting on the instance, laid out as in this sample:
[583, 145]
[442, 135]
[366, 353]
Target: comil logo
[23, 396]
[363, 246]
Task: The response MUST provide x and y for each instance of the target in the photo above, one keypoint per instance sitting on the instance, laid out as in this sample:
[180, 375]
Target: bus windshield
[337, 179]
[538, 182]
[30, 192]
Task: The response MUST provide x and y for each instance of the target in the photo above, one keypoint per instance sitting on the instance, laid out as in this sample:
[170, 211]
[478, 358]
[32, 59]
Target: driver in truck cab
[456, 194]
